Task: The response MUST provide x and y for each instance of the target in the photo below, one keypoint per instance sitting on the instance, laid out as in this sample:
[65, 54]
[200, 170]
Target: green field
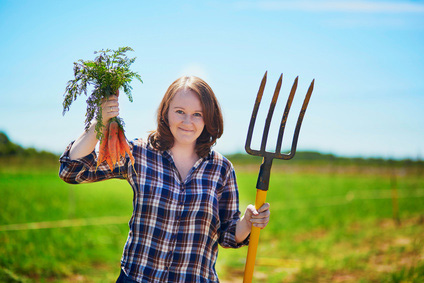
[328, 224]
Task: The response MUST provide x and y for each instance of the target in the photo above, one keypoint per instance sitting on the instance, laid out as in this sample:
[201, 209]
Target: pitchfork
[265, 169]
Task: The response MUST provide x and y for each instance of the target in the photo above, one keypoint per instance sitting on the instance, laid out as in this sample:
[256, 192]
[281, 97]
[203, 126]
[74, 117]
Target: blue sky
[366, 58]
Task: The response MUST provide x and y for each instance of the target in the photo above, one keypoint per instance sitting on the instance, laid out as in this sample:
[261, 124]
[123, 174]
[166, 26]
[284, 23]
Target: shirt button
[181, 203]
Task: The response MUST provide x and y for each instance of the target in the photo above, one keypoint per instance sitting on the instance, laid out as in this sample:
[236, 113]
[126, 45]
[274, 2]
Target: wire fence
[298, 204]
[107, 220]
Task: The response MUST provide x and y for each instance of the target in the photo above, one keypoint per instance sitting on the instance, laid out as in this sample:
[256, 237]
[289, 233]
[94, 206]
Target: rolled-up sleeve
[229, 213]
[85, 170]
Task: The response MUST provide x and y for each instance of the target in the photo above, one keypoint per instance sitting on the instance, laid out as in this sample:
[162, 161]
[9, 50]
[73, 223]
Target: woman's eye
[180, 111]
[198, 114]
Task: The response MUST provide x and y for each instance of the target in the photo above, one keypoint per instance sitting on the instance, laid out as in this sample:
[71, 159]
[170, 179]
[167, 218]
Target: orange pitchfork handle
[265, 169]
[254, 240]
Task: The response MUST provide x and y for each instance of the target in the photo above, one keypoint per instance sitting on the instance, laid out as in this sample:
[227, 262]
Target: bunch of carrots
[113, 145]
[108, 72]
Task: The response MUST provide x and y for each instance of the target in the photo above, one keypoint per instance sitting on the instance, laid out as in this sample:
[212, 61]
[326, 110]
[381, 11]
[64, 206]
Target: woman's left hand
[258, 218]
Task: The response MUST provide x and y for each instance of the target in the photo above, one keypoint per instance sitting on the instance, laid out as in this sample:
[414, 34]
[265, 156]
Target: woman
[185, 194]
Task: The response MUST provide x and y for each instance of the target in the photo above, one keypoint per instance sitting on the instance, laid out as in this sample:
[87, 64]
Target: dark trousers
[124, 278]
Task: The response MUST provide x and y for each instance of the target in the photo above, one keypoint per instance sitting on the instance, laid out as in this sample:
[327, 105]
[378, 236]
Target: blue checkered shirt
[176, 224]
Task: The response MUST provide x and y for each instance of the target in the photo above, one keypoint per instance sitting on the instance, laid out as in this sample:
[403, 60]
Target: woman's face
[185, 117]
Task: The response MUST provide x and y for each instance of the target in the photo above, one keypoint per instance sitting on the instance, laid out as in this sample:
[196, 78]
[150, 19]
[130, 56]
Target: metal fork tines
[268, 156]
[277, 154]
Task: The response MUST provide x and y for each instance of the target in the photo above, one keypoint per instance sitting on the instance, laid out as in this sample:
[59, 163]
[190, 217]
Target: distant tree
[8, 148]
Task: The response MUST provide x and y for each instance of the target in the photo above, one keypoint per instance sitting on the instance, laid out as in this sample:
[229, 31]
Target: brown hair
[162, 138]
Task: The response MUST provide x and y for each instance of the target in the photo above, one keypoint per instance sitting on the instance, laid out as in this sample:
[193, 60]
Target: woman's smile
[185, 117]
[186, 130]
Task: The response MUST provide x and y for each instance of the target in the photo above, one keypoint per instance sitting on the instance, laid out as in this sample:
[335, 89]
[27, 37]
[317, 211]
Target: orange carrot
[113, 137]
[121, 148]
[126, 148]
[103, 149]
[109, 161]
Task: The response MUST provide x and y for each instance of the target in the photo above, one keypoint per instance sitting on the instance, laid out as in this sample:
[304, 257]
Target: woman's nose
[187, 119]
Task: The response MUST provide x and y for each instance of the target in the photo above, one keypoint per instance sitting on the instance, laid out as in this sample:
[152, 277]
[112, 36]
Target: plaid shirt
[176, 225]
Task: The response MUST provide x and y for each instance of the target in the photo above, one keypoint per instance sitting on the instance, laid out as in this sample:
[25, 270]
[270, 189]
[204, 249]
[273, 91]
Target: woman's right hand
[110, 108]
[86, 143]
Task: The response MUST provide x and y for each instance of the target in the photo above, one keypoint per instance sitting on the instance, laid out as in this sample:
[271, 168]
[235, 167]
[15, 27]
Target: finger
[264, 207]
[114, 111]
[110, 98]
[260, 224]
[252, 210]
[260, 220]
[110, 105]
[112, 108]
[113, 114]
[263, 214]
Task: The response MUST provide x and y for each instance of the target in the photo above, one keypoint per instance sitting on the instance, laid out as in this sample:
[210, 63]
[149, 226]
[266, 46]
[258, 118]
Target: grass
[326, 226]
[337, 228]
